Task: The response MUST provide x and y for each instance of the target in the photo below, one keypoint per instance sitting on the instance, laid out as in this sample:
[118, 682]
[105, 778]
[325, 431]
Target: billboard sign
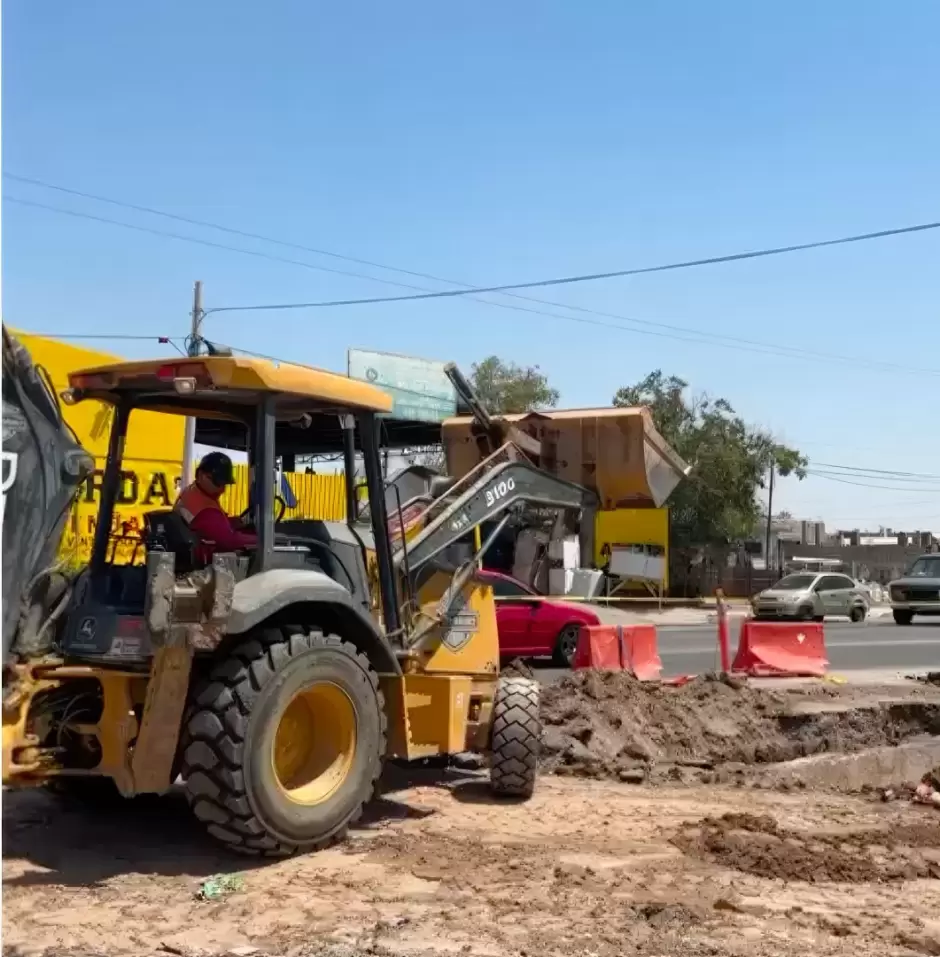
[420, 389]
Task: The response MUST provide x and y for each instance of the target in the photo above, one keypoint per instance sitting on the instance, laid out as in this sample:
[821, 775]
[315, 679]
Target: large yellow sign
[153, 454]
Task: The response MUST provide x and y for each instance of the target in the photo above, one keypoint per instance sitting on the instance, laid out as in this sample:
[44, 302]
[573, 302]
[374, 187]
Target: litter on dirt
[219, 887]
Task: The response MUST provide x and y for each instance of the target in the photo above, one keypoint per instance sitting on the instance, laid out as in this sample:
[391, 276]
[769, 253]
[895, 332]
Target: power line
[200, 242]
[891, 473]
[468, 289]
[674, 332]
[916, 484]
[245, 234]
[594, 277]
[885, 488]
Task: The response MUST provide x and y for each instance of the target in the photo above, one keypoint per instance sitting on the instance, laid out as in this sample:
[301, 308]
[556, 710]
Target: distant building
[878, 556]
[886, 536]
[789, 531]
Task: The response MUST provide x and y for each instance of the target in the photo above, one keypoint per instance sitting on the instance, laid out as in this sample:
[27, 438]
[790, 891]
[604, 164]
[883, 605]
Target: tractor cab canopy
[225, 387]
[220, 392]
[244, 403]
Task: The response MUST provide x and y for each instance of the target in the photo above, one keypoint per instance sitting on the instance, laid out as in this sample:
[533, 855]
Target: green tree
[730, 460]
[506, 387]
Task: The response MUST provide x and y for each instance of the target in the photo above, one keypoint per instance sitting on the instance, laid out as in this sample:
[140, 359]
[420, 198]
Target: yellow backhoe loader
[272, 683]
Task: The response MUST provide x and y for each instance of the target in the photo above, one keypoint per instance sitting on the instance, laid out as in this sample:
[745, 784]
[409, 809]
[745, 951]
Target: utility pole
[195, 339]
[770, 513]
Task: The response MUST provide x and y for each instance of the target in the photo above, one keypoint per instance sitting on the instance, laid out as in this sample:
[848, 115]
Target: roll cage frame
[259, 420]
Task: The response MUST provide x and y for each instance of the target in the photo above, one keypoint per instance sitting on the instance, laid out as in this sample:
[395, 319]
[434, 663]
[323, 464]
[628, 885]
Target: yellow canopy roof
[238, 373]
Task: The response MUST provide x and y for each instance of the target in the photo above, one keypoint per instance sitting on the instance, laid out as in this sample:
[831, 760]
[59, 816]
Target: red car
[530, 627]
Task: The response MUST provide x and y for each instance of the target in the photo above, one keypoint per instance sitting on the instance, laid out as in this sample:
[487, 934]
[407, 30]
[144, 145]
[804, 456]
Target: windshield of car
[795, 582]
[925, 568]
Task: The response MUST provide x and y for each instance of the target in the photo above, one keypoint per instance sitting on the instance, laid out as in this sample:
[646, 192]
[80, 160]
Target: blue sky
[495, 143]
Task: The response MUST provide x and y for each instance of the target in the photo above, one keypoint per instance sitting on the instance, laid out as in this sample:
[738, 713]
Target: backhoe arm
[498, 490]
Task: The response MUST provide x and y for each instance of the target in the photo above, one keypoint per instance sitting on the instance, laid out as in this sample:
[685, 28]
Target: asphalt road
[692, 649]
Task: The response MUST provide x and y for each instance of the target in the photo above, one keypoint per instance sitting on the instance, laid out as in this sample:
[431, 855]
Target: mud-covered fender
[262, 596]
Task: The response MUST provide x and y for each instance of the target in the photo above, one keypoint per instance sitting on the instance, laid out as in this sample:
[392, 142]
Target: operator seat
[165, 531]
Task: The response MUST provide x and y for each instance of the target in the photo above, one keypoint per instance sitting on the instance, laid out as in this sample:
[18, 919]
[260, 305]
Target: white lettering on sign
[9, 477]
[498, 491]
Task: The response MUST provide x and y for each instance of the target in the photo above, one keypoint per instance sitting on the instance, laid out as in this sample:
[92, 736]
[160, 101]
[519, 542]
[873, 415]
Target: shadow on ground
[82, 843]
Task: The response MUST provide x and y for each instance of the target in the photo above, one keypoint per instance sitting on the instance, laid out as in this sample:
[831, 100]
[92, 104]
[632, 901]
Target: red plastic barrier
[794, 649]
[619, 648]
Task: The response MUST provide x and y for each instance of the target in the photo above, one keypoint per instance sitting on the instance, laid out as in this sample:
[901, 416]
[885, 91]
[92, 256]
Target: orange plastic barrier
[795, 649]
[619, 648]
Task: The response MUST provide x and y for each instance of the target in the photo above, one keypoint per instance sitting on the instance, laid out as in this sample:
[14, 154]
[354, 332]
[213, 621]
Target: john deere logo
[372, 374]
[87, 628]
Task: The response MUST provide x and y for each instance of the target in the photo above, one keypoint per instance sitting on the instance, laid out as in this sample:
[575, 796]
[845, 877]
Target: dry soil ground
[590, 866]
[586, 867]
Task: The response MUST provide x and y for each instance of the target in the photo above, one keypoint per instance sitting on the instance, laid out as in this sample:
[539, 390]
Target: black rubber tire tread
[517, 733]
[517, 668]
[559, 659]
[213, 740]
[854, 615]
[902, 617]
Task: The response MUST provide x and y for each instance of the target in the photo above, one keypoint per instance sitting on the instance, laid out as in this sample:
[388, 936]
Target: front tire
[284, 742]
[902, 616]
[517, 734]
[857, 614]
[566, 645]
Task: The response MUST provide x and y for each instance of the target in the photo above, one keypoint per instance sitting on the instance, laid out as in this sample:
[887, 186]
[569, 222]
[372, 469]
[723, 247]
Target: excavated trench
[609, 725]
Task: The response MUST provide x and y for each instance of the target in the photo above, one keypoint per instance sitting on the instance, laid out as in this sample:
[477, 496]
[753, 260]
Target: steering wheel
[246, 517]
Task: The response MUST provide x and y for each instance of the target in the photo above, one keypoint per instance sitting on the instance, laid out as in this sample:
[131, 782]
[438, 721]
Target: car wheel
[806, 613]
[857, 614]
[903, 617]
[819, 618]
[566, 645]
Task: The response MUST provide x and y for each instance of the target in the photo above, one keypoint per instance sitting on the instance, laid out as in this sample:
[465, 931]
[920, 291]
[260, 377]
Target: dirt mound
[756, 844]
[608, 724]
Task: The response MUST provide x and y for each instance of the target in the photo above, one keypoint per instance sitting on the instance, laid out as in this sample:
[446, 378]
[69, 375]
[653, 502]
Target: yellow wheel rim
[315, 743]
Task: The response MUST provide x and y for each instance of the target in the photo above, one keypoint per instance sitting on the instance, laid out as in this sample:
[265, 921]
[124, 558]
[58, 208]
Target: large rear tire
[284, 742]
[517, 733]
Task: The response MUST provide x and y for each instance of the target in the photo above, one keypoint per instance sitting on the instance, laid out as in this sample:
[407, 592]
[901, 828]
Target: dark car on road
[918, 592]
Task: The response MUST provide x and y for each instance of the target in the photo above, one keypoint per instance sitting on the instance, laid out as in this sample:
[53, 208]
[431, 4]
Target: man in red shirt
[198, 506]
